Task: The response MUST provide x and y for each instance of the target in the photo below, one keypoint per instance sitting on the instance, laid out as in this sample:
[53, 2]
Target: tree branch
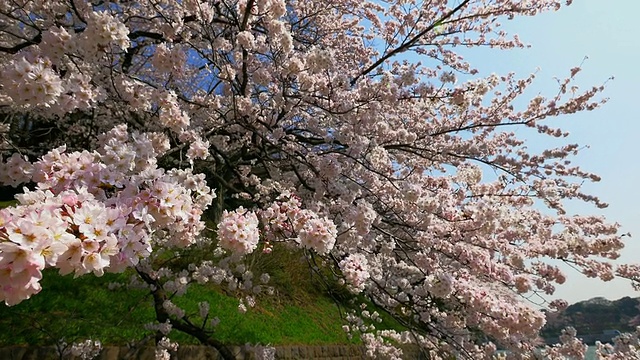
[405, 46]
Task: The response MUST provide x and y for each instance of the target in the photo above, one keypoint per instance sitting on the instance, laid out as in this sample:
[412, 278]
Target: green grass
[271, 321]
[75, 309]
[81, 308]
[4, 204]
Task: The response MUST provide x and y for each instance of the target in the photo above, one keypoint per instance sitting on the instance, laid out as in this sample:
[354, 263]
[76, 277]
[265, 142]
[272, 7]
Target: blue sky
[606, 32]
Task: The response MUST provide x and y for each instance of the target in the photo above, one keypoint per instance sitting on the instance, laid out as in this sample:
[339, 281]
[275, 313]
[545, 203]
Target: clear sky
[607, 32]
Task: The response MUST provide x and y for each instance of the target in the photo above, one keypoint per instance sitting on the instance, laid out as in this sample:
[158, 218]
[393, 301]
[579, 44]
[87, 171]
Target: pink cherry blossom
[355, 269]
[354, 131]
[238, 231]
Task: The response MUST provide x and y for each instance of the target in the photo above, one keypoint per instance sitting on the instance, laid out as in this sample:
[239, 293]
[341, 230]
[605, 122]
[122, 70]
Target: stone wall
[330, 352]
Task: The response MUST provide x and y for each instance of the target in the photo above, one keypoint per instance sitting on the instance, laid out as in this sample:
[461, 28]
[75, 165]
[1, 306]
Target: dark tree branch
[405, 46]
[159, 297]
[14, 49]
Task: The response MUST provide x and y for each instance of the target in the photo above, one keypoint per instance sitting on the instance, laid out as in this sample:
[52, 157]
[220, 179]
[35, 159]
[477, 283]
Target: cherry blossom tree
[353, 130]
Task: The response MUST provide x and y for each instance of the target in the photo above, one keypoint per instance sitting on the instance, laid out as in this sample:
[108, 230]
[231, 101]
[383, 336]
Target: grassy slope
[76, 309]
[300, 312]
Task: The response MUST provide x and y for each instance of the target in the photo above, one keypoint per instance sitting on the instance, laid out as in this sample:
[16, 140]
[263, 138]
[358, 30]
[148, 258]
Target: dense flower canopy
[351, 129]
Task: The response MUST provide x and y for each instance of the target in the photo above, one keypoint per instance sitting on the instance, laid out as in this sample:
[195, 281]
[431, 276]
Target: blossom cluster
[104, 30]
[569, 347]
[355, 270]
[164, 348]
[39, 77]
[168, 60]
[95, 211]
[625, 346]
[238, 231]
[285, 218]
[86, 350]
[15, 170]
[31, 82]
